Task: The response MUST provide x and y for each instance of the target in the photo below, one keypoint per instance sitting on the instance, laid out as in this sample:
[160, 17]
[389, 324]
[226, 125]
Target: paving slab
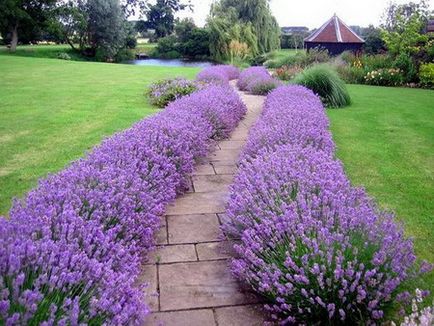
[231, 155]
[240, 133]
[252, 315]
[204, 169]
[149, 275]
[161, 237]
[199, 203]
[199, 285]
[203, 317]
[209, 183]
[193, 228]
[174, 254]
[232, 144]
[226, 169]
[214, 250]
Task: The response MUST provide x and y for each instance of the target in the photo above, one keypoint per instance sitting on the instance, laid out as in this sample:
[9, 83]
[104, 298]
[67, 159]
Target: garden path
[188, 273]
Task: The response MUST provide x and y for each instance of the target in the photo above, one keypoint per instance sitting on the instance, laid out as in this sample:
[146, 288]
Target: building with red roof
[335, 36]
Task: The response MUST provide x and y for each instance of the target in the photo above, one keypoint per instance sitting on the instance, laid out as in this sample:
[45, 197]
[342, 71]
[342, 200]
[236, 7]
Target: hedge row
[257, 80]
[317, 249]
[72, 249]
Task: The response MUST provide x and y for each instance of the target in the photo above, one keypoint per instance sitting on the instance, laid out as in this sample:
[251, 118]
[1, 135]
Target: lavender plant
[219, 74]
[316, 248]
[257, 80]
[165, 91]
[71, 251]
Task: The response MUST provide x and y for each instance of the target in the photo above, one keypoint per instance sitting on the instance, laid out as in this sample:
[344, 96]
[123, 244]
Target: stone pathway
[189, 271]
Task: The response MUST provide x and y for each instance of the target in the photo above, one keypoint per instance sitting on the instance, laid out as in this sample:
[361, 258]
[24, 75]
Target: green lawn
[52, 111]
[386, 141]
[283, 53]
[43, 51]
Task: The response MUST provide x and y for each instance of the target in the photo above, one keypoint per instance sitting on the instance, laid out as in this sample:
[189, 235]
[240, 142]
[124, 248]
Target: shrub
[351, 75]
[263, 86]
[384, 77]
[405, 64]
[220, 74]
[317, 249]
[63, 56]
[250, 74]
[72, 249]
[288, 72]
[291, 115]
[163, 92]
[325, 82]
[426, 74]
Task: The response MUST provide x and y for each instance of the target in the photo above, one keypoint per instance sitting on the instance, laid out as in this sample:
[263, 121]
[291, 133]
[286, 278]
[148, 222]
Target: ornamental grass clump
[72, 249]
[317, 249]
[325, 82]
[219, 74]
[165, 91]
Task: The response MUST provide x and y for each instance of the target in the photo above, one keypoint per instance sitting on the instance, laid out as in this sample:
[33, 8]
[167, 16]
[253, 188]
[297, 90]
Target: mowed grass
[43, 51]
[53, 111]
[386, 142]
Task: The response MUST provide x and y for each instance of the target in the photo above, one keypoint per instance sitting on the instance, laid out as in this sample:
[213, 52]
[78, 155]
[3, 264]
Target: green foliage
[288, 72]
[246, 22]
[63, 56]
[351, 75]
[426, 74]
[325, 82]
[405, 64]
[302, 59]
[385, 77]
[374, 43]
[161, 16]
[24, 18]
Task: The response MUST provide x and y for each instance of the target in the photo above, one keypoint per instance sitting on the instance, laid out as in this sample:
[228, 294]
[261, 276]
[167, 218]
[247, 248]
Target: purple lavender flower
[315, 247]
[72, 249]
[220, 74]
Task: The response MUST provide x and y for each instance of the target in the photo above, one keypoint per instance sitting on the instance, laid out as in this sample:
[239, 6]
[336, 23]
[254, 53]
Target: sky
[311, 13]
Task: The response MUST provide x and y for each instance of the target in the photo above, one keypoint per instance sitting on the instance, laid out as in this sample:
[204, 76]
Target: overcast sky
[311, 13]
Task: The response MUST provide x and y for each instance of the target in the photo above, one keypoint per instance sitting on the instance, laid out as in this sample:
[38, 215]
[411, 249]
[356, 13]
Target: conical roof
[334, 31]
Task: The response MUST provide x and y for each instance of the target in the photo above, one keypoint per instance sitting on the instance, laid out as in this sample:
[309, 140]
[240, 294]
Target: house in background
[335, 36]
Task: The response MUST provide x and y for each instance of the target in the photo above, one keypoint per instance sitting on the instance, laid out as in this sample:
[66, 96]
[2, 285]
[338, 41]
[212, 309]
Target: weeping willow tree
[248, 22]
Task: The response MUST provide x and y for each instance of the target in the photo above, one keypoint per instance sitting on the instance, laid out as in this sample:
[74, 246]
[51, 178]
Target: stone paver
[199, 285]
[214, 250]
[193, 228]
[203, 317]
[252, 315]
[189, 271]
[199, 203]
[174, 254]
[209, 183]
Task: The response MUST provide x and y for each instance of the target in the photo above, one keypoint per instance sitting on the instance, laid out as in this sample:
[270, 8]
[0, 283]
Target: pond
[170, 63]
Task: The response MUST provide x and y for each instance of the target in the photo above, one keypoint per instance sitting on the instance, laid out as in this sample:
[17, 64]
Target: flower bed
[316, 248]
[220, 74]
[72, 248]
[257, 80]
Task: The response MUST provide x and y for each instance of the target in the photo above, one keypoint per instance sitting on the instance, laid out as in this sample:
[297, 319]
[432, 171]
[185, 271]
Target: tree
[245, 21]
[93, 27]
[374, 43]
[403, 26]
[19, 16]
[161, 16]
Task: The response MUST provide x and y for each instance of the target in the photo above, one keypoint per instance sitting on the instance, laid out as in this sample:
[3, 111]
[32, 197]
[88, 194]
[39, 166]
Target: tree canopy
[247, 22]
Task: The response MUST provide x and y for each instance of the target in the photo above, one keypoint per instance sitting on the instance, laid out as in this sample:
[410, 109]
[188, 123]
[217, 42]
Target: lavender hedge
[72, 249]
[257, 80]
[316, 248]
[219, 74]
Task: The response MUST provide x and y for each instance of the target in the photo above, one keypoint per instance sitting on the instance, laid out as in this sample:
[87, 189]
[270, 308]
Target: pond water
[170, 63]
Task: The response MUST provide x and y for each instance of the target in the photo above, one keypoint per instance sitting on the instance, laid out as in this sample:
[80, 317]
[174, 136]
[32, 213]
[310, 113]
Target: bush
[325, 82]
[288, 72]
[404, 63]
[250, 74]
[63, 56]
[220, 74]
[72, 249]
[163, 92]
[262, 85]
[351, 75]
[384, 77]
[426, 74]
[317, 249]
